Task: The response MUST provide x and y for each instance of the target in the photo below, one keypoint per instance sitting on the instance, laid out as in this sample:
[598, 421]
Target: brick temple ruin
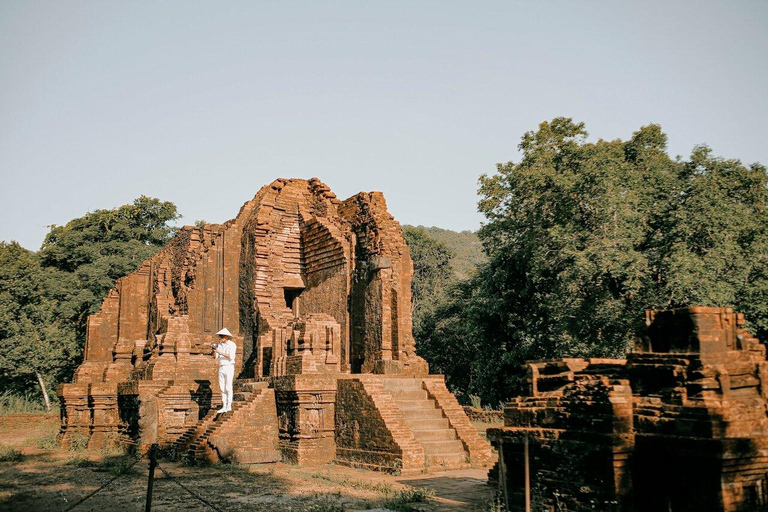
[317, 292]
[679, 425]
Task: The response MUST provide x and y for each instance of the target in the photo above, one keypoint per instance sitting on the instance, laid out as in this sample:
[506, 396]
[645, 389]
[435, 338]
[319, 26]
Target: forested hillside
[466, 247]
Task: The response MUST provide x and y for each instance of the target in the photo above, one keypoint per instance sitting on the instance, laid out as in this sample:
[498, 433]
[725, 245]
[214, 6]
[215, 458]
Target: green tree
[45, 298]
[87, 255]
[432, 273]
[713, 249]
[582, 237]
[466, 247]
[36, 348]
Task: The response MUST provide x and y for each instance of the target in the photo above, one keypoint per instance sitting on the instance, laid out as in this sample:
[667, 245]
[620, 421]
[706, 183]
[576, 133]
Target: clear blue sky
[202, 103]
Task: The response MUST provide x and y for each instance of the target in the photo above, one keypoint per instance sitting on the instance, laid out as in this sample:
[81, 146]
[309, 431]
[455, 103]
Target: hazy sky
[202, 103]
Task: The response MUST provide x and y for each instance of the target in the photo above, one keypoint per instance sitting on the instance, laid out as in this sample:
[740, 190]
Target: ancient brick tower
[317, 293]
[680, 425]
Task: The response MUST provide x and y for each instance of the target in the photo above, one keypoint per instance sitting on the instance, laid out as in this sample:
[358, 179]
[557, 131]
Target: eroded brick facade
[317, 294]
[680, 425]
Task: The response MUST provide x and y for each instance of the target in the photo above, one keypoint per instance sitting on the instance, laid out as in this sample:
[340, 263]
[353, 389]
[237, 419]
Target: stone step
[441, 434]
[196, 441]
[443, 447]
[249, 385]
[391, 383]
[422, 414]
[446, 459]
[409, 394]
[427, 423]
[416, 405]
[257, 456]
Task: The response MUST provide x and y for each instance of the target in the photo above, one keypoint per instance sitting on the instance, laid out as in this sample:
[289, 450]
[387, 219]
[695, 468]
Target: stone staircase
[235, 436]
[442, 447]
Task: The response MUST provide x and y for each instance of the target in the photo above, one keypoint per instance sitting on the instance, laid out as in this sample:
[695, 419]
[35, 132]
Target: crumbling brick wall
[314, 289]
[679, 425]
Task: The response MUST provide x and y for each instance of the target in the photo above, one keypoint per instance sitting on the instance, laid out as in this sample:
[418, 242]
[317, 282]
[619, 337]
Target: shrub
[402, 498]
[78, 442]
[8, 454]
[48, 442]
[13, 403]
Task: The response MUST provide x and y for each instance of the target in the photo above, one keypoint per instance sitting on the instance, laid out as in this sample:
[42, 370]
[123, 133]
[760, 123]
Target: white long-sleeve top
[228, 348]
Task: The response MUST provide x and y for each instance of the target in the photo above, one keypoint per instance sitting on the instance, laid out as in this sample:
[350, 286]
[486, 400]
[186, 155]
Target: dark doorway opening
[292, 299]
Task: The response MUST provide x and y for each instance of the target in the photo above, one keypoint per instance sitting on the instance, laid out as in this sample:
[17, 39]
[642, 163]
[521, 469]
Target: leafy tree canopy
[583, 237]
[466, 247]
[90, 253]
[32, 339]
[45, 297]
[432, 272]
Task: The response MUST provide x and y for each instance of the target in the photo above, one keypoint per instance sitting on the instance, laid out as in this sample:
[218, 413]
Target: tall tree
[582, 237]
[432, 273]
[45, 298]
[36, 348]
[88, 254]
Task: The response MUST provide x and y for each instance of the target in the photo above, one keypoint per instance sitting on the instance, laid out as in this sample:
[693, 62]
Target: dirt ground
[36, 475]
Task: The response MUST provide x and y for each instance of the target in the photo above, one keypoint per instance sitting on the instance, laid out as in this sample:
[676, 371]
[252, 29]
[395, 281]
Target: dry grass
[37, 474]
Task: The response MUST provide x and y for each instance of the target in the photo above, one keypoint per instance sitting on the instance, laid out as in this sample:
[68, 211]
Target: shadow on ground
[461, 490]
[54, 481]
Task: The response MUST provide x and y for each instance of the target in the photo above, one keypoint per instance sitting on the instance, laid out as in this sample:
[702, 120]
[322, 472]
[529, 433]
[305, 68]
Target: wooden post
[152, 464]
[45, 392]
[527, 476]
[503, 475]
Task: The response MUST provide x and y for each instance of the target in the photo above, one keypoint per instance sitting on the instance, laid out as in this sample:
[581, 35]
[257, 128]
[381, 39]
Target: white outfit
[226, 372]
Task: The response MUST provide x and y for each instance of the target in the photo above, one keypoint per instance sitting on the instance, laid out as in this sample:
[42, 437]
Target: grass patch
[8, 454]
[398, 500]
[77, 442]
[325, 506]
[402, 499]
[12, 403]
[49, 442]
[381, 487]
[79, 461]
[119, 465]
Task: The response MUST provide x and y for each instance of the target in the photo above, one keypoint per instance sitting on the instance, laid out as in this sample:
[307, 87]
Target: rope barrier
[158, 466]
[121, 473]
[195, 495]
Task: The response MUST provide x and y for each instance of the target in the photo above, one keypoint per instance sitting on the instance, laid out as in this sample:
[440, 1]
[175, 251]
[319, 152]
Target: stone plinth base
[306, 412]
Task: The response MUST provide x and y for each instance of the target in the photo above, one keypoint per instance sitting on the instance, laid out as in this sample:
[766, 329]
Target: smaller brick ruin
[317, 292]
[680, 425]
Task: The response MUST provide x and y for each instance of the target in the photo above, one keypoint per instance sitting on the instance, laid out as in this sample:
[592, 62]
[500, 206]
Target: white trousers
[226, 377]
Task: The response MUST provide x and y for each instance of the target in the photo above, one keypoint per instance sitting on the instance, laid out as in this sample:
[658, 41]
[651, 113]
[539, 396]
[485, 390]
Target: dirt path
[49, 479]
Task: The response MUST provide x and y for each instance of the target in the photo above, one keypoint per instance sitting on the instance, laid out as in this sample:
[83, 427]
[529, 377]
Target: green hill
[465, 245]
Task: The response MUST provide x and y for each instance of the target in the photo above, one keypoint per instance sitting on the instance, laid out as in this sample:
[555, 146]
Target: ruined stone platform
[317, 292]
[680, 424]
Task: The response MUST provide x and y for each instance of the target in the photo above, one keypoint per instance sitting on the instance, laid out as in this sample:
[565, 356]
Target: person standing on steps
[225, 352]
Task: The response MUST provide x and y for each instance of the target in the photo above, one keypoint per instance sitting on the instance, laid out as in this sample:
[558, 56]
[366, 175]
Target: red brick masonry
[317, 292]
[679, 425]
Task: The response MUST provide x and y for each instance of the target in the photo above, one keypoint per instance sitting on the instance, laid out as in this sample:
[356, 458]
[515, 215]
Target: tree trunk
[45, 392]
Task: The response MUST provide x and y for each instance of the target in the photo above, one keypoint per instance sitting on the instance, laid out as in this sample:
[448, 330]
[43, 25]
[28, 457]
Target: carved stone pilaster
[75, 412]
[306, 409]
